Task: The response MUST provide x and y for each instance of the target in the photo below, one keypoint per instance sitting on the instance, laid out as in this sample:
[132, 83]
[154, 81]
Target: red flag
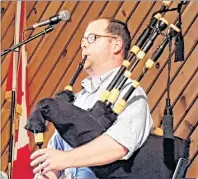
[21, 154]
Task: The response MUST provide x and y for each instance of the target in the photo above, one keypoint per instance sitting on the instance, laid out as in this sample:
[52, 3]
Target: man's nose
[84, 43]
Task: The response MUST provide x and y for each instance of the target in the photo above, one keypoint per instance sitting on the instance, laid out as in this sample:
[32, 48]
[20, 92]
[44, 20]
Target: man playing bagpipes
[105, 44]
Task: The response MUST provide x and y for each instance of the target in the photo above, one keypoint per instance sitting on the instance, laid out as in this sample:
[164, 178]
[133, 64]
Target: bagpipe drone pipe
[158, 156]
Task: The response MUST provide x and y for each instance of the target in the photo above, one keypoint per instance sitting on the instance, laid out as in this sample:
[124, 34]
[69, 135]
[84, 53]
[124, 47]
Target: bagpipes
[158, 156]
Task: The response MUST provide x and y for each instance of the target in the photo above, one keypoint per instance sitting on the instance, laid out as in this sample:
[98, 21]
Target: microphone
[61, 16]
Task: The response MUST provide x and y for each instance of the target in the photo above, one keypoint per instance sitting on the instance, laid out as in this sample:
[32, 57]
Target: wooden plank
[193, 143]
[5, 137]
[144, 25]
[112, 7]
[192, 171]
[4, 7]
[4, 160]
[5, 113]
[178, 83]
[188, 122]
[185, 100]
[52, 9]
[3, 89]
[7, 19]
[30, 6]
[36, 15]
[138, 16]
[126, 10]
[6, 43]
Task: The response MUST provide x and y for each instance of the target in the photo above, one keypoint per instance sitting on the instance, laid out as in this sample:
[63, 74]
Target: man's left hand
[48, 160]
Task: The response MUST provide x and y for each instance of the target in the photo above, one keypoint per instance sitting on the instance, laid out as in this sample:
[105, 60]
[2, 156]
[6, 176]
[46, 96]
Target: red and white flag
[17, 81]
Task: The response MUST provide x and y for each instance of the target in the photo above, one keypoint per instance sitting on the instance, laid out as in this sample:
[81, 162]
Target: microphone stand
[47, 30]
[13, 98]
[180, 169]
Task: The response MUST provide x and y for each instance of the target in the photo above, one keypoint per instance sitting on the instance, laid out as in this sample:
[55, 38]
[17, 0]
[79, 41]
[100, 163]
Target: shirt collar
[92, 84]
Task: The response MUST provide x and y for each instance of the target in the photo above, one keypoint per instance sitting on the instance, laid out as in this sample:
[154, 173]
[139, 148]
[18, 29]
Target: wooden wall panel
[193, 168]
[53, 59]
[178, 83]
[189, 121]
[4, 7]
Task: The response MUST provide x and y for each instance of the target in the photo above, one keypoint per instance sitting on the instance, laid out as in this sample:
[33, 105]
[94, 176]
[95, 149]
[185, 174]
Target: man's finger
[39, 160]
[37, 153]
[41, 167]
[46, 169]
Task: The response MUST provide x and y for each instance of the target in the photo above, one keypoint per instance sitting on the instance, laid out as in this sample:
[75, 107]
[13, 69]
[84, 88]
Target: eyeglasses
[91, 38]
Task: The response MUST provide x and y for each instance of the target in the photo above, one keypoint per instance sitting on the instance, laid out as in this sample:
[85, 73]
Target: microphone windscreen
[64, 15]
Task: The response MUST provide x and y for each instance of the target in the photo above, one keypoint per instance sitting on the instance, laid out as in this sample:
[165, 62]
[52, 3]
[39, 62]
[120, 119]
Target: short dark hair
[119, 28]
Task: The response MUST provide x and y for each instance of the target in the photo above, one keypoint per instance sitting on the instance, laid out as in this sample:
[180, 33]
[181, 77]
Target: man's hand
[48, 160]
[100, 151]
[49, 175]
[39, 176]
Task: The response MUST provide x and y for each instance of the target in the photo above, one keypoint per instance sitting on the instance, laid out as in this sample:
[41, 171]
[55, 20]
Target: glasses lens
[91, 38]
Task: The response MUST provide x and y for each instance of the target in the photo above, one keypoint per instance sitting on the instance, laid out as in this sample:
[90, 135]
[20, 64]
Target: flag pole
[13, 94]
[12, 134]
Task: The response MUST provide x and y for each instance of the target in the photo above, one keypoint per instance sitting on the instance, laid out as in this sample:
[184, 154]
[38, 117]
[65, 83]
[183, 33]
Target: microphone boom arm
[47, 30]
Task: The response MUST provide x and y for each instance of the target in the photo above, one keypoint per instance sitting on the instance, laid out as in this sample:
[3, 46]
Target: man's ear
[118, 46]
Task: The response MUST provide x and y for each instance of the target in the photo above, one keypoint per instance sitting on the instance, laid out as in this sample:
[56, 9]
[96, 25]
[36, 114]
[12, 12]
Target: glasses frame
[96, 36]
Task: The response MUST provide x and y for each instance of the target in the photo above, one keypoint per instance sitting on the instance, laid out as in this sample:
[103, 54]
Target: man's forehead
[97, 26]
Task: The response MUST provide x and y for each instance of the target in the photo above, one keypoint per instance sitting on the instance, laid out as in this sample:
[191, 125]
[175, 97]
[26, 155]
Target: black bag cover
[148, 162]
[75, 125]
